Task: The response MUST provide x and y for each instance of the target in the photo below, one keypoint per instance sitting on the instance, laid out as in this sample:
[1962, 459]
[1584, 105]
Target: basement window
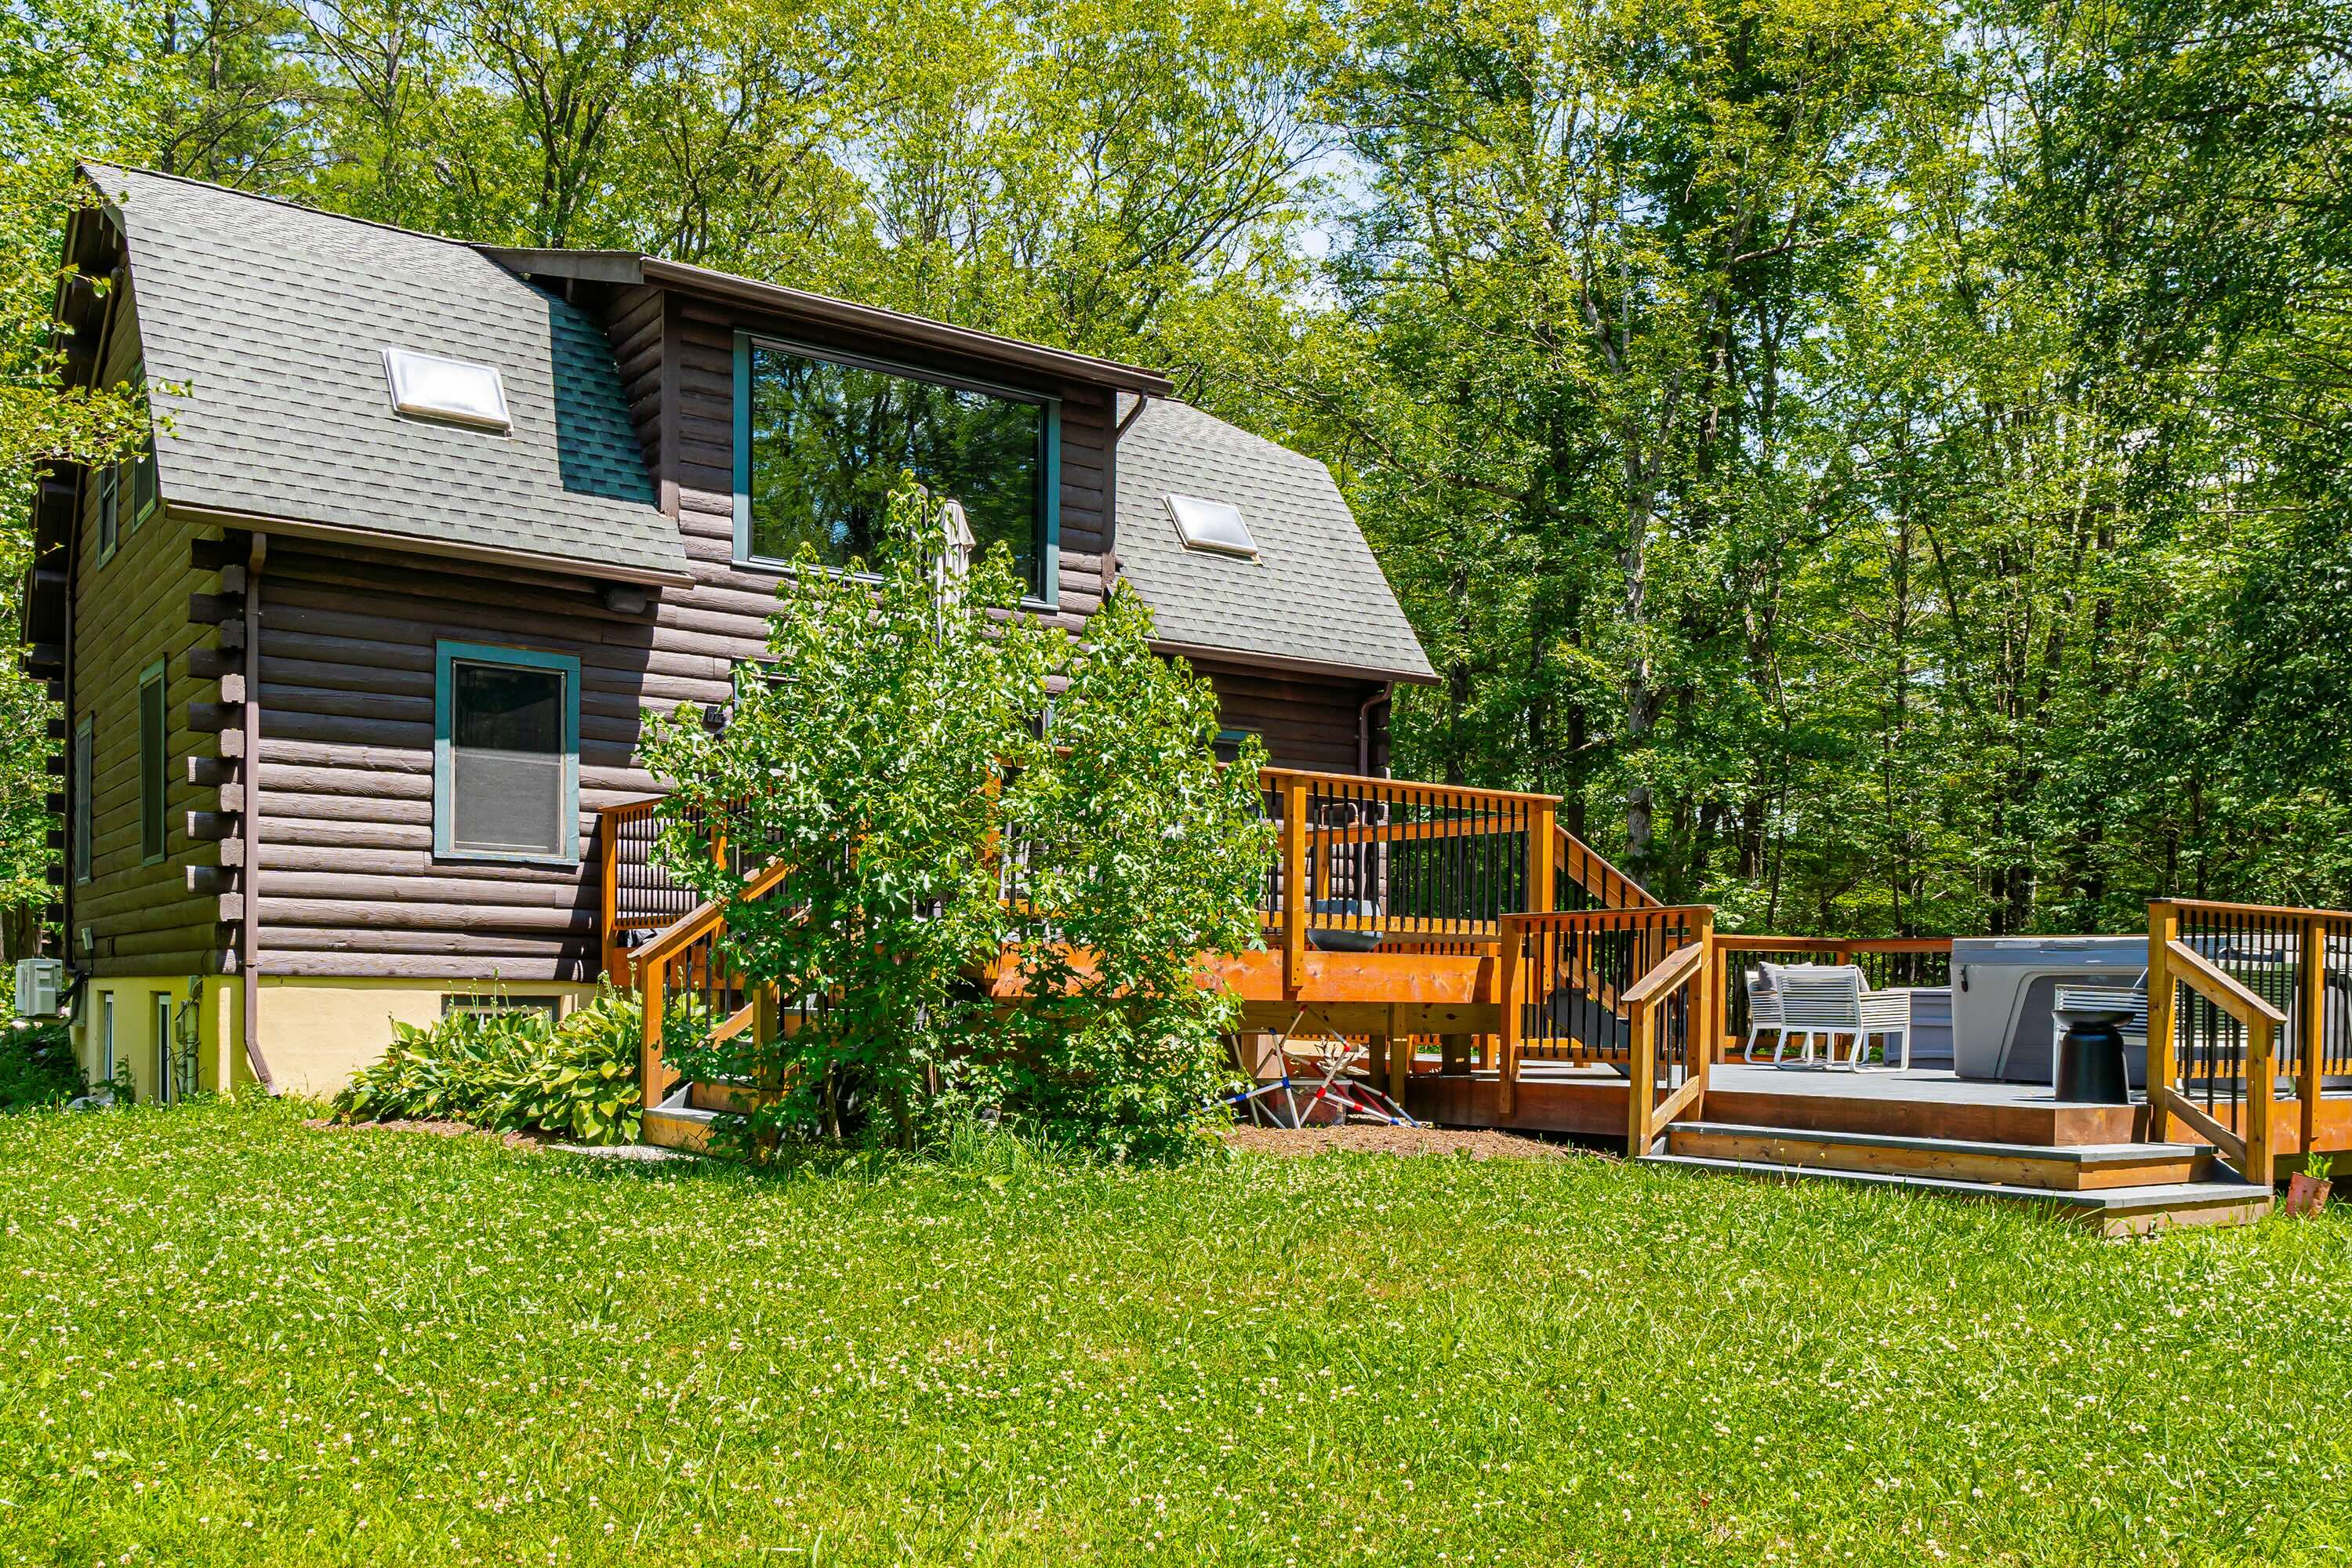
[454, 391]
[1213, 526]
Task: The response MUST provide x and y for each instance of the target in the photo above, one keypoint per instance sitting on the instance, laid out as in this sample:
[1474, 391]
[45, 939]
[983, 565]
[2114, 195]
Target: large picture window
[506, 762]
[153, 765]
[820, 441]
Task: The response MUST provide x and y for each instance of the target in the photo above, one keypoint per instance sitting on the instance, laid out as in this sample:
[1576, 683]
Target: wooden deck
[1427, 922]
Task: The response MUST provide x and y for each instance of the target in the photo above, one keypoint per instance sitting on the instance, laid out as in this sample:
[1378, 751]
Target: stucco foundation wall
[316, 1032]
[206, 1005]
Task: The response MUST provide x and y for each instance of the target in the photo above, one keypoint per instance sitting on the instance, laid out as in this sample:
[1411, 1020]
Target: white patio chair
[1763, 1012]
[1830, 1000]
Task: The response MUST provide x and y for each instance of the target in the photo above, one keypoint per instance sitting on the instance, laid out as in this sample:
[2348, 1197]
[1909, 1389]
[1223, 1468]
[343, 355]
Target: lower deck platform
[1590, 1101]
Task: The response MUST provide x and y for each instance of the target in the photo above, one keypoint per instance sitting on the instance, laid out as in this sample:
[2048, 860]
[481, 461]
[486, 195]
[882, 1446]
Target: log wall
[1307, 721]
[132, 611]
[348, 884]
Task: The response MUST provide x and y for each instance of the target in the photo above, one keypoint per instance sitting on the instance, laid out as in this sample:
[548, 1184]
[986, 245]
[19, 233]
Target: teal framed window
[139, 482]
[85, 751]
[109, 511]
[506, 754]
[139, 479]
[822, 437]
[154, 765]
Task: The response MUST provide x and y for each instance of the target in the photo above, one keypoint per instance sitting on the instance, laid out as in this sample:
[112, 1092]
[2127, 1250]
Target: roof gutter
[1285, 661]
[556, 565]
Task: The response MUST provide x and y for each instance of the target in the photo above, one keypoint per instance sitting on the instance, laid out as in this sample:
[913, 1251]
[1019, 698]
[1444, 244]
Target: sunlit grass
[227, 1338]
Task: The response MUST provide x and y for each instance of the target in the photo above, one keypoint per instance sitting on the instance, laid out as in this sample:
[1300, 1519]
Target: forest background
[1889, 465]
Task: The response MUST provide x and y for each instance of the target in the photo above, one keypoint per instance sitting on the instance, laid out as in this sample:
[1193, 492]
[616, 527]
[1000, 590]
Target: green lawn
[229, 1338]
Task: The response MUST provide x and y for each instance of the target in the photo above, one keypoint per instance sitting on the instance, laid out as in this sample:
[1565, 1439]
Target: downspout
[1110, 482]
[1364, 728]
[249, 879]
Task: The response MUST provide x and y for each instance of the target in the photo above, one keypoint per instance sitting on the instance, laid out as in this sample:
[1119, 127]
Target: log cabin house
[352, 659]
[354, 653]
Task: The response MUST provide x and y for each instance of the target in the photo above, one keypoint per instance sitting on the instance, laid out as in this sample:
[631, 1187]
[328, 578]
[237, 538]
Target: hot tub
[2004, 991]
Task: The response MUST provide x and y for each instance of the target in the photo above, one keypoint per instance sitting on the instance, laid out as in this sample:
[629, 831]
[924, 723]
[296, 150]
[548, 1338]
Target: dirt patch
[512, 1139]
[1478, 1145]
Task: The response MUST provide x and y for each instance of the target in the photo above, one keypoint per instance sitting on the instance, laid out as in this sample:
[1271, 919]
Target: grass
[226, 1337]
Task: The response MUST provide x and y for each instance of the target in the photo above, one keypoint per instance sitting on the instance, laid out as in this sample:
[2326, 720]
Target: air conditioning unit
[39, 981]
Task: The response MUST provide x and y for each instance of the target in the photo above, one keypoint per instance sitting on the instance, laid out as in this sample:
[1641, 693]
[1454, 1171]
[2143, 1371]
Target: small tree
[899, 757]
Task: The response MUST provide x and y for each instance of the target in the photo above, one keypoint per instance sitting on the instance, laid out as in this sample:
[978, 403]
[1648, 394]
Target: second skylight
[1212, 525]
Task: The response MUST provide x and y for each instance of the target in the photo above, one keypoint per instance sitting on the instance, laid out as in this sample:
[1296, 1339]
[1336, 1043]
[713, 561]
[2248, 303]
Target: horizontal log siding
[349, 882]
[1307, 721]
[130, 612]
[700, 464]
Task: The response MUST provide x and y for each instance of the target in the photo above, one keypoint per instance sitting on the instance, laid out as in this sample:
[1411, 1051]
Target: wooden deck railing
[684, 966]
[2243, 999]
[1588, 881]
[637, 893]
[1885, 962]
[1428, 867]
[1610, 986]
[1431, 867]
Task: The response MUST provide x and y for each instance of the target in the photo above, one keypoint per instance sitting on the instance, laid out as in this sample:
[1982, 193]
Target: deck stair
[2121, 1189]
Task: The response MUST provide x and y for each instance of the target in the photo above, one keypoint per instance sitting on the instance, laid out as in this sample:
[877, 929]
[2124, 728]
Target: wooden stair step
[2076, 1167]
[2112, 1211]
[679, 1126]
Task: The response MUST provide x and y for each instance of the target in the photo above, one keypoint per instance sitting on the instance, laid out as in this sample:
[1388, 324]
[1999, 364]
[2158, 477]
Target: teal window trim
[83, 831]
[144, 487]
[108, 481]
[1048, 596]
[446, 655]
[155, 770]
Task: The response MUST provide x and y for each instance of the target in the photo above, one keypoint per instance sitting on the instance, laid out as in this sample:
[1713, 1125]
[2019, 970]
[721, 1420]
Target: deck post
[1514, 937]
[1294, 886]
[2312, 1037]
[608, 873]
[1400, 1058]
[1543, 857]
[1640, 1082]
[2262, 1103]
[1706, 1016]
[2163, 928]
[651, 981]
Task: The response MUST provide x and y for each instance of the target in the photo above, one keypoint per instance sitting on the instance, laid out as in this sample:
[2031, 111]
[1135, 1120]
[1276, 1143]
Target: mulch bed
[1486, 1144]
[512, 1139]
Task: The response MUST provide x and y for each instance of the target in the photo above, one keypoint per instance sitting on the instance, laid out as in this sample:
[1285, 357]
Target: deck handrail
[1591, 870]
[1391, 860]
[1646, 1001]
[2213, 1063]
[685, 955]
[1572, 979]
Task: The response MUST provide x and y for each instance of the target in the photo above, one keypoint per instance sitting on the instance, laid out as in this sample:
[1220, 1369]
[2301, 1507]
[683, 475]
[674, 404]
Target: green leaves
[512, 1068]
[899, 755]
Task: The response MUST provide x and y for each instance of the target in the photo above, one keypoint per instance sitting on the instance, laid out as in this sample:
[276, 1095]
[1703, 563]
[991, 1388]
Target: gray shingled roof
[275, 318]
[1313, 596]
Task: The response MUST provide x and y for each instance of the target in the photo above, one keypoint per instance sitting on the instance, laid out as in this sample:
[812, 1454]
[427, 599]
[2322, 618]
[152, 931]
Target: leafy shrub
[576, 1080]
[581, 1083]
[918, 751]
[37, 1066]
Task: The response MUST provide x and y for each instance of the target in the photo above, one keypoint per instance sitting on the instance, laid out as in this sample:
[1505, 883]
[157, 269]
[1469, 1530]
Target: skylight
[427, 386]
[1212, 525]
